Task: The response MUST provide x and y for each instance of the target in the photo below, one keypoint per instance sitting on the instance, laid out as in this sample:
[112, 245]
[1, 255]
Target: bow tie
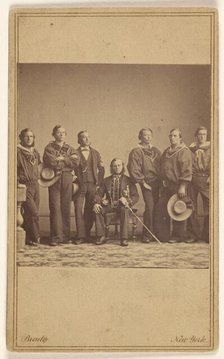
[85, 149]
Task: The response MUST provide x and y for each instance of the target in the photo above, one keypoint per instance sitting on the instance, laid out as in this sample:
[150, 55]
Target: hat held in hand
[47, 176]
[179, 209]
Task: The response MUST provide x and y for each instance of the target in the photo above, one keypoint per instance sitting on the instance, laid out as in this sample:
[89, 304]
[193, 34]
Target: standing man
[63, 159]
[176, 173]
[90, 174]
[200, 183]
[143, 167]
[28, 160]
[119, 192]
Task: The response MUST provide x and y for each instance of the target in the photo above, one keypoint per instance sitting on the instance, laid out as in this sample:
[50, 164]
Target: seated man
[113, 196]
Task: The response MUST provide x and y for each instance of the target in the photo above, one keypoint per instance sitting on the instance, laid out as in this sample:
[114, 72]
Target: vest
[87, 169]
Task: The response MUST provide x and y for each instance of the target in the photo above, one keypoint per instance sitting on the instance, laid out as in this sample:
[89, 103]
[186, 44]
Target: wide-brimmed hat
[180, 209]
[47, 176]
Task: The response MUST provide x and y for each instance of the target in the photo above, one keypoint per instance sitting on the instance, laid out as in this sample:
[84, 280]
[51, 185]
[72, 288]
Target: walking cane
[143, 224]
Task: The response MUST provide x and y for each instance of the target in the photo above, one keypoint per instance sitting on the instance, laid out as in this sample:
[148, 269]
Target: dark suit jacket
[105, 190]
[98, 167]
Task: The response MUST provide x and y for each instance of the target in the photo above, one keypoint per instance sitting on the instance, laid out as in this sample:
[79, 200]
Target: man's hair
[176, 129]
[142, 130]
[112, 162]
[55, 129]
[79, 135]
[23, 132]
[199, 129]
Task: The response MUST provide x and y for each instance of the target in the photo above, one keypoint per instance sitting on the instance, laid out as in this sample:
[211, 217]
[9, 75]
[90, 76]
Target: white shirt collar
[28, 149]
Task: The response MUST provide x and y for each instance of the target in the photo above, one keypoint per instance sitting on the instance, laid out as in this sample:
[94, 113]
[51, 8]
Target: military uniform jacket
[106, 187]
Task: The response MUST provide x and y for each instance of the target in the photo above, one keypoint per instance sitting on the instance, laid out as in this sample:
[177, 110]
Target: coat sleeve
[185, 165]
[135, 167]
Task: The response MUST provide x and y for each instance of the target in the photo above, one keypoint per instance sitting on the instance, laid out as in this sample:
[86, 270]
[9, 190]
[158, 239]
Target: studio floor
[112, 255]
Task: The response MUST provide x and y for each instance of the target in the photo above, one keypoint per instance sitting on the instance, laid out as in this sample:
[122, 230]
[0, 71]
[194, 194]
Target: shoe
[124, 243]
[190, 240]
[32, 243]
[173, 240]
[53, 244]
[100, 240]
[35, 244]
[79, 241]
[145, 239]
[66, 241]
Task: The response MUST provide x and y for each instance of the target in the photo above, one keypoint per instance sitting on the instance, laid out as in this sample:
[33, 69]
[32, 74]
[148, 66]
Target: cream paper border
[15, 289]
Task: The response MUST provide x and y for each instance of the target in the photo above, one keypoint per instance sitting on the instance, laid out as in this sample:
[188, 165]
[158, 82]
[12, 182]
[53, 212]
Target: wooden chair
[114, 220]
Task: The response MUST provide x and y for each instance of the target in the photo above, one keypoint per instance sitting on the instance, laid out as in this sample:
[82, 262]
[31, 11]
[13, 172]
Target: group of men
[180, 170]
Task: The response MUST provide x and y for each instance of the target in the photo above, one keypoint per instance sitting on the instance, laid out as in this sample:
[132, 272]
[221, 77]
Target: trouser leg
[35, 219]
[101, 220]
[162, 218]
[100, 223]
[205, 230]
[178, 230]
[124, 221]
[66, 197]
[200, 185]
[193, 226]
[148, 213]
[155, 195]
[31, 209]
[55, 212]
[88, 209]
[79, 217]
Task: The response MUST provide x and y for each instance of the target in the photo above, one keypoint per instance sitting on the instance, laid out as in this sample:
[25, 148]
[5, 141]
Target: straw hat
[47, 176]
[179, 209]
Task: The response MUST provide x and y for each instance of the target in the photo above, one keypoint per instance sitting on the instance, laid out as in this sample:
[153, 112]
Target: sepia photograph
[113, 156]
[113, 180]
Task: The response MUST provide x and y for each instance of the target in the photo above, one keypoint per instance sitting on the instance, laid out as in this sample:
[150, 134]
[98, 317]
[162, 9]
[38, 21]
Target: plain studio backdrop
[112, 102]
